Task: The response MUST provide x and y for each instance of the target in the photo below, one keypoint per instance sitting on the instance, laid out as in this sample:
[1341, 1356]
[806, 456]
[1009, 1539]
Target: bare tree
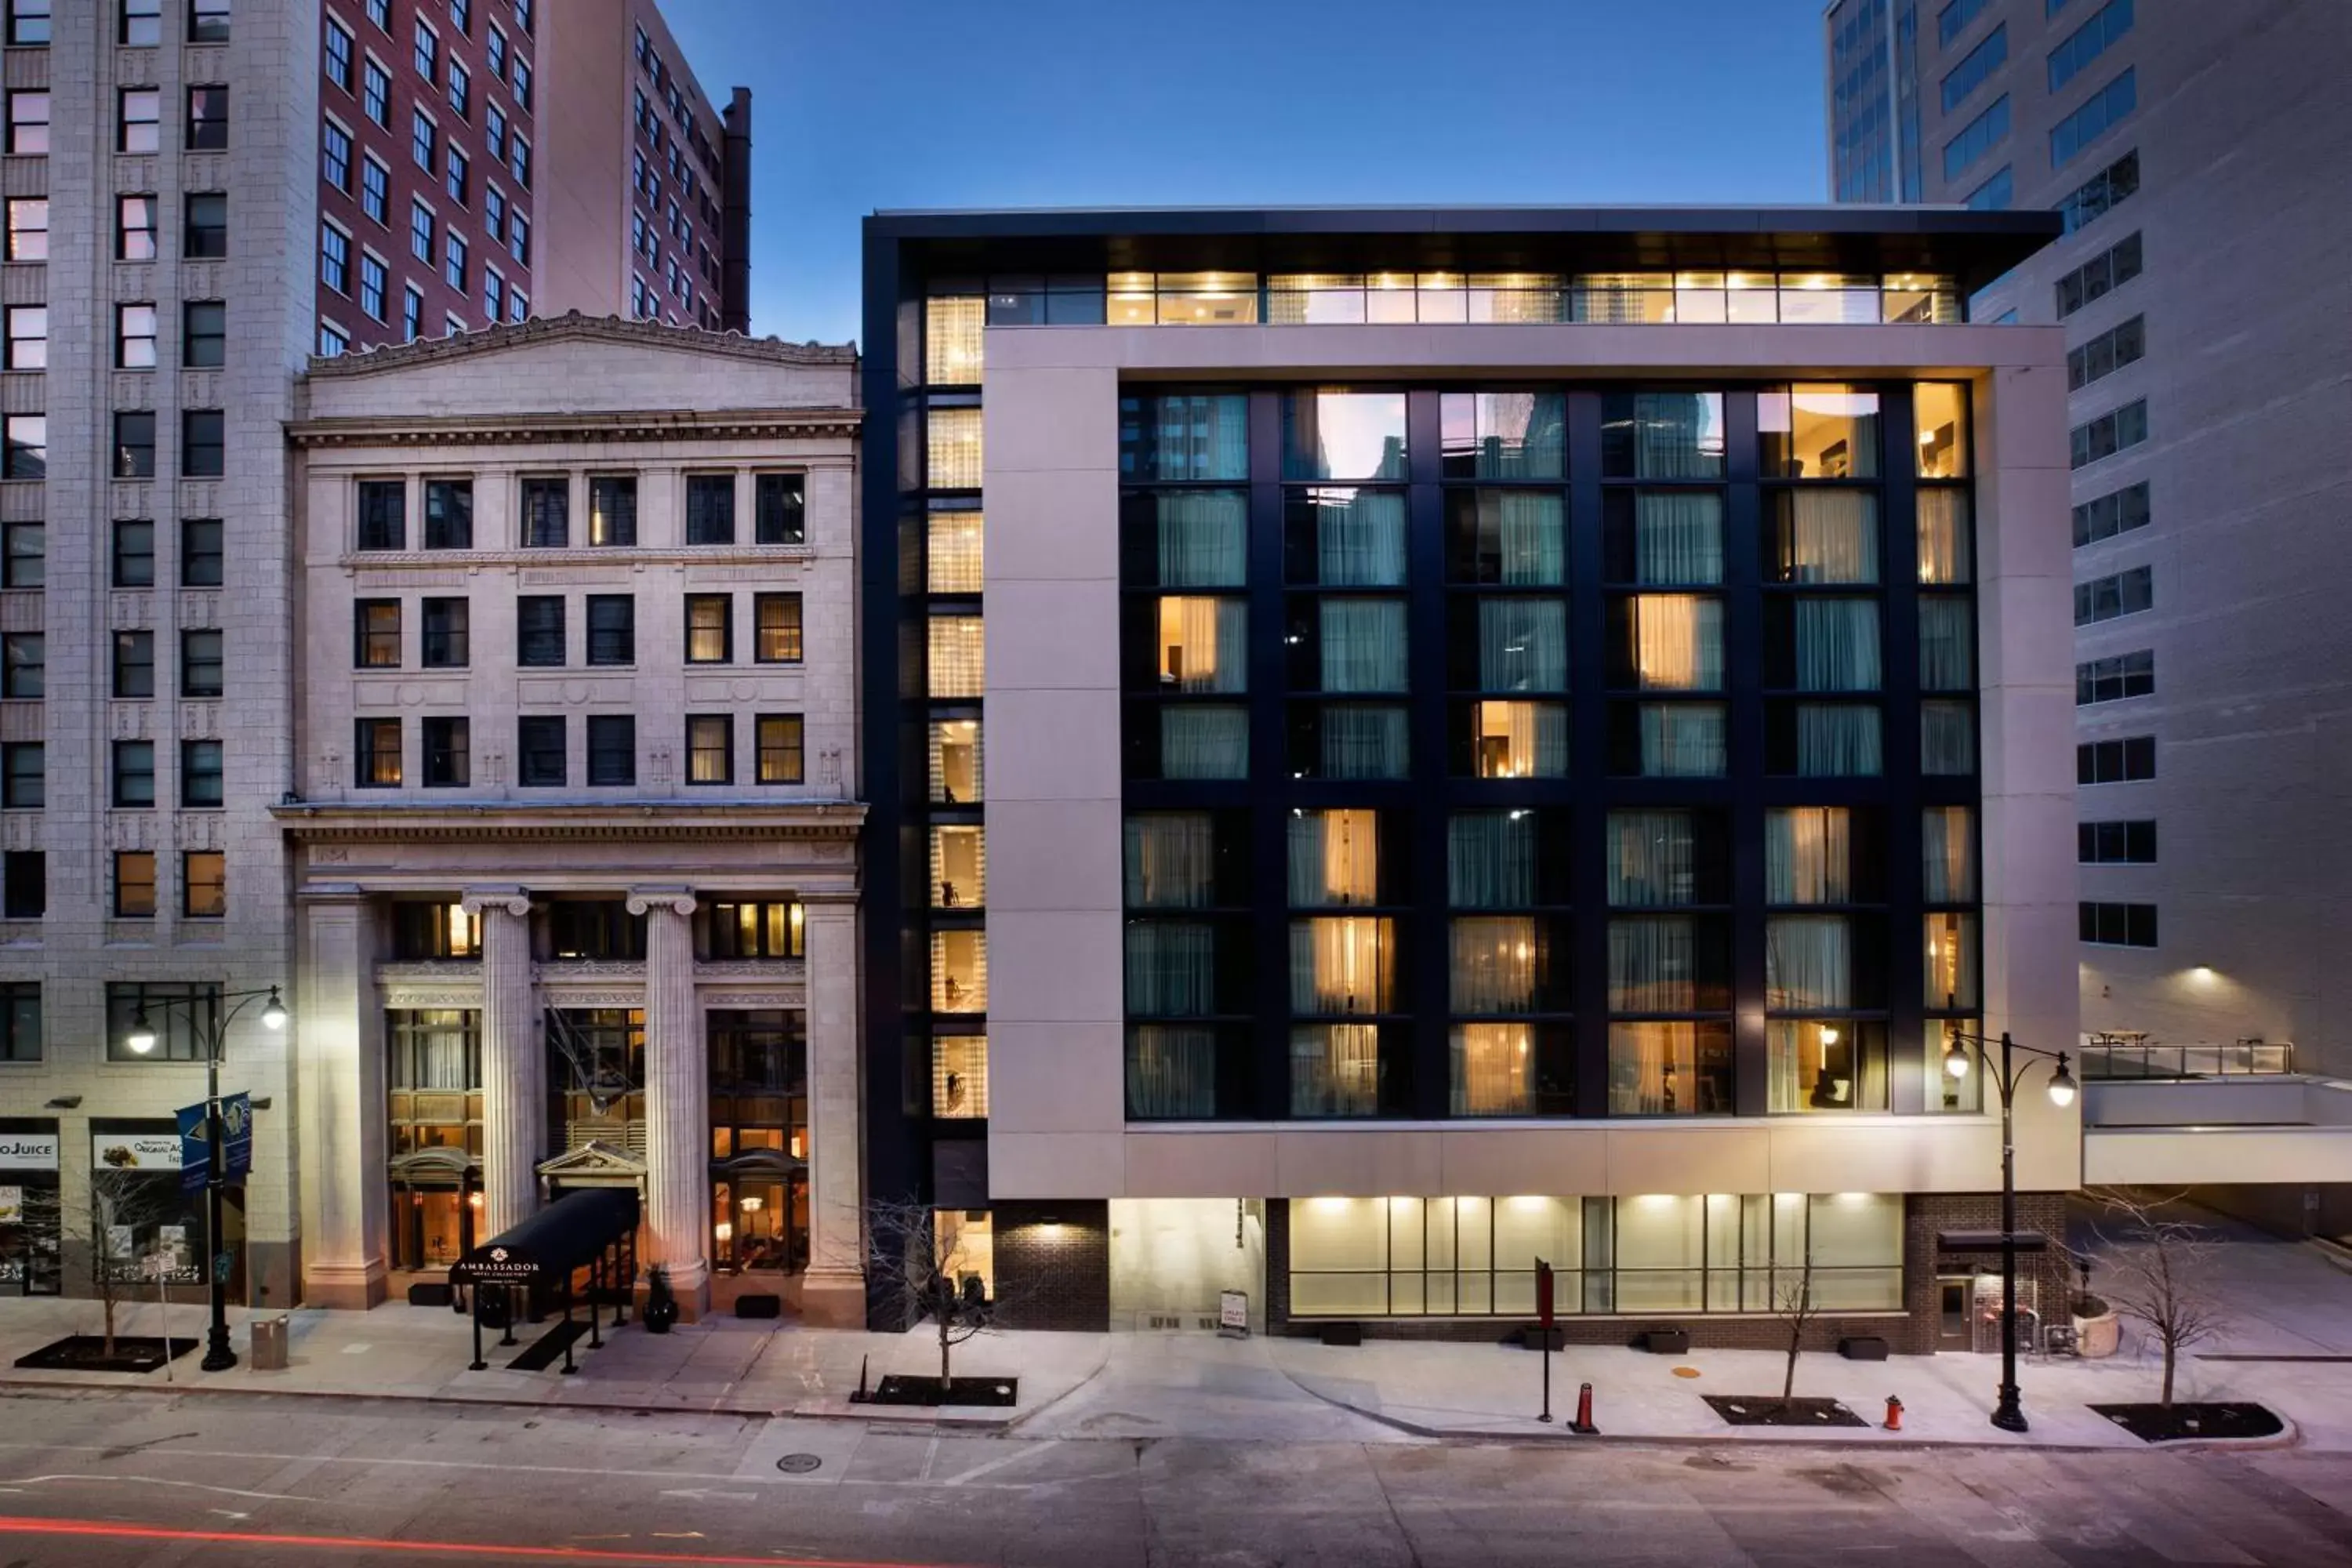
[924, 1270]
[2159, 1274]
[1794, 1304]
[122, 1204]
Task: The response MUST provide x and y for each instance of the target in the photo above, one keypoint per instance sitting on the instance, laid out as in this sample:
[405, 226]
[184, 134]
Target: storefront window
[434, 1132]
[759, 1139]
[31, 1218]
[595, 1077]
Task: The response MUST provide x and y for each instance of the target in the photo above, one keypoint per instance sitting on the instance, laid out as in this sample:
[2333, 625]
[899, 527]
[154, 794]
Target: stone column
[339, 1038]
[833, 1293]
[514, 1102]
[678, 1098]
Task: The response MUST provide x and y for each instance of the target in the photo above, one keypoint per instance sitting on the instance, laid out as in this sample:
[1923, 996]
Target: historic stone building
[573, 825]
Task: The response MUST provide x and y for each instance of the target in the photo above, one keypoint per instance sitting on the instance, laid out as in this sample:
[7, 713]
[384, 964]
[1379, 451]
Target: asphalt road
[113, 1480]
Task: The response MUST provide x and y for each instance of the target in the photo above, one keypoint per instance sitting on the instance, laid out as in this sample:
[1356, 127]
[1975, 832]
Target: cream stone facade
[573, 826]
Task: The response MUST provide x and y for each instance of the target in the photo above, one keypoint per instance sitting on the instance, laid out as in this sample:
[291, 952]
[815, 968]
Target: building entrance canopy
[570, 1233]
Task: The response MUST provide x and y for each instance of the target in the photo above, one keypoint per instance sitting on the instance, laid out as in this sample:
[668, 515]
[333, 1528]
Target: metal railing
[2126, 1057]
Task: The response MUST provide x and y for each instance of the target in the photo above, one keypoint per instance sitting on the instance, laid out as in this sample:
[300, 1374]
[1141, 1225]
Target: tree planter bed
[86, 1352]
[2161, 1424]
[1770, 1410]
[924, 1389]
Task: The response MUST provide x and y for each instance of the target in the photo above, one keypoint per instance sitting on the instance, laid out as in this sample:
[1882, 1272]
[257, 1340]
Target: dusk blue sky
[861, 104]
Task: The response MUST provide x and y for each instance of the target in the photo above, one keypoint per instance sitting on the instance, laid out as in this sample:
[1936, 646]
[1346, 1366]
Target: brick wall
[1053, 1265]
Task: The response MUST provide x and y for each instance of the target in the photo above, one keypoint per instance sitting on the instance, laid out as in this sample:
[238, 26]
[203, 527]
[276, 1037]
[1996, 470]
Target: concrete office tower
[2201, 286]
[647, 209]
[1392, 761]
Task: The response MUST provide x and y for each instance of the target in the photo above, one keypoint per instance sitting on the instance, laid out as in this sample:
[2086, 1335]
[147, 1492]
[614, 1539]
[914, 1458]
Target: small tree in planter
[914, 1266]
[1794, 1304]
[120, 1202]
[2159, 1273]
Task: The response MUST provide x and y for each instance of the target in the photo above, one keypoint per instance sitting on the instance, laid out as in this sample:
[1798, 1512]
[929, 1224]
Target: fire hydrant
[1894, 1414]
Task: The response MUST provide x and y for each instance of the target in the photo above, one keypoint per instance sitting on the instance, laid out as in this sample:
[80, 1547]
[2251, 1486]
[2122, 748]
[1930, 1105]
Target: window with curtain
[1490, 859]
[1668, 538]
[1498, 964]
[1947, 847]
[1654, 965]
[1335, 1069]
[952, 552]
[1522, 645]
[953, 331]
[1819, 431]
[1808, 855]
[1518, 740]
[1504, 435]
[1335, 858]
[1172, 1072]
[952, 448]
[1837, 740]
[959, 648]
[1342, 966]
[1653, 858]
[1353, 741]
[1807, 963]
[1200, 742]
[1515, 539]
[1673, 642]
[1679, 740]
[1939, 412]
[1172, 969]
[1951, 961]
[1669, 1069]
[1171, 861]
[1824, 536]
[1947, 738]
[1361, 644]
[1946, 535]
[1203, 645]
[1825, 1064]
[1346, 538]
[1947, 643]
[1836, 644]
[1183, 436]
[1196, 538]
[1493, 1069]
[1339, 435]
[1662, 436]
[960, 971]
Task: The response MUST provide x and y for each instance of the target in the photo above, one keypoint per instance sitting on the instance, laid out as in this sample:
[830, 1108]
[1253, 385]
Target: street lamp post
[219, 1356]
[2009, 1414]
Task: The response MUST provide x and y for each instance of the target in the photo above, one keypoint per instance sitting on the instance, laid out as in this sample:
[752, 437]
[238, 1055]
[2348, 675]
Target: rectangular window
[204, 884]
[203, 554]
[2127, 760]
[2115, 843]
[539, 631]
[204, 444]
[376, 191]
[202, 773]
[2114, 679]
[447, 761]
[494, 53]
[375, 92]
[26, 455]
[334, 258]
[337, 55]
[1994, 195]
[2106, 598]
[2118, 925]
[2103, 191]
[135, 884]
[427, 54]
[134, 664]
[2107, 109]
[781, 760]
[375, 634]
[335, 155]
[2086, 43]
[375, 753]
[134, 445]
[777, 629]
[185, 1018]
[28, 229]
[461, 92]
[2110, 269]
[448, 514]
[709, 748]
[1978, 67]
[494, 295]
[411, 313]
[204, 337]
[134, 229]
[494, 212]
[25, 554]
[612, 628]
[2108, 434]
[710, 509]
[20, 1000]
[29, 336]
[445, 623]
[28, 123]
[23, 772]
[452, 262]
[541, 762]
[612, 510]
[208, 227]
[207, 120]
[518, 159]
[612, 750]
[139, 124]
[134, 772]
[459, 178]
[546, 513]
[1977, 138]
[25, 885]
[383, 514]
[28, 27]
[709, 628]
[1953, 19]
[202, 662]
[2109, 515]
[780, 509]
[208, 21]
[423, 135]
[374, 280]
[24, 665]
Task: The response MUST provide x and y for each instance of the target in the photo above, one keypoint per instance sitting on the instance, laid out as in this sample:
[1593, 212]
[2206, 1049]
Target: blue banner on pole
[236, 1141]
[195, 1158]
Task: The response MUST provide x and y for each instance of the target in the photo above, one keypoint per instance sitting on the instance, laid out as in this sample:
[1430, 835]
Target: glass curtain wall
[1823, 613]
[1949, 851]
[1663, 518]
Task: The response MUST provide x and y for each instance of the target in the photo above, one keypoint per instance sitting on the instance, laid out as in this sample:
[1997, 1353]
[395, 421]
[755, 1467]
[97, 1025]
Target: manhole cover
[798, 1463]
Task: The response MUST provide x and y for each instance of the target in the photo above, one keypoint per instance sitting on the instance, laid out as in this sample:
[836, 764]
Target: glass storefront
[433, 1142]
[31, 1217]
[759, 1139]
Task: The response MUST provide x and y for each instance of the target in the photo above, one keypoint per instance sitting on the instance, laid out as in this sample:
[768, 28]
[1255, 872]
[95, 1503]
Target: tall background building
[2189, 149]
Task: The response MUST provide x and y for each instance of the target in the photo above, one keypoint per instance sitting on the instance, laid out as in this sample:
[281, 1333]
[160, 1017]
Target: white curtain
[1653, 1068]
[1358, 538]
[1809, 1073]
[1522, 645]
[1947, 643]
[1363, 742]
[1202, 742]
[1490, 859]
[1837, 644]
[1171, 968]
[1946, 547]
[1653, 965]
[1171, 861]
[1170, 1071]
[1653, 859]
[1807, 963]
[1807, 855]
[1683, 739]
[1828, 536]
[1678, 537]
[1203, 644]
[1341, 965]
[1204, 538]
[1334, 858]
[1362, 642]
[1678, 434]
[1335, 1069]
[1838, 741]
[1533, 738]
[1677, 641]
[1529, 535]
[1493, 1069]
[1951, 961]
[1497, 960]
[1947, 738]
[1947, 845]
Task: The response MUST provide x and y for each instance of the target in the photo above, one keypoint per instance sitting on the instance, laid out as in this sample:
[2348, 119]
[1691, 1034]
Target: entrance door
[1954, 1326]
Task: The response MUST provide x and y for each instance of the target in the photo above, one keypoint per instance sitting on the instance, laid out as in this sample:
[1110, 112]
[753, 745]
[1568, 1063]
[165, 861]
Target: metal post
[2008, 1413]
[219, 1356]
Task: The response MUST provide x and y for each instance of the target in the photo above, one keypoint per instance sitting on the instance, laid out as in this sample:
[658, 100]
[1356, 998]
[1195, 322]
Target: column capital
[678, 900]
[480, 900]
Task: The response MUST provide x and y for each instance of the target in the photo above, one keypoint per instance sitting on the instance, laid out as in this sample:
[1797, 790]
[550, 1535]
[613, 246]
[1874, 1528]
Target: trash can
[269, 1344]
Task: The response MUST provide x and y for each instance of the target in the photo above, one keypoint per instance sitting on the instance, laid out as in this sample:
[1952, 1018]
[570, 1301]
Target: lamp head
[2062, 1085]
[273, 1012]
[142, 1037]
[1955, 1059]
[1829, 1035]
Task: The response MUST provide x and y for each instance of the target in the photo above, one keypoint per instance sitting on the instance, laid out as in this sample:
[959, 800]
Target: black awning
[1990, 1241]
[568, 1233]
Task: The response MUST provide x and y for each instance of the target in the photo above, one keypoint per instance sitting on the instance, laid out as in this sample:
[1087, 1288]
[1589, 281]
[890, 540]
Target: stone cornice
[648, 821]
[574, 327]
[544, 429]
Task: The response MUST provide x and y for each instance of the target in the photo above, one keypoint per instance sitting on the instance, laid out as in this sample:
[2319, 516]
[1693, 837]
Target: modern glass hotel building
[1512, 734]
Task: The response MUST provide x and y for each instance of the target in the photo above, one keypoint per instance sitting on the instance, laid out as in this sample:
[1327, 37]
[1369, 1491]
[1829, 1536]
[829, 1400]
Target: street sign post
[1543, 1321]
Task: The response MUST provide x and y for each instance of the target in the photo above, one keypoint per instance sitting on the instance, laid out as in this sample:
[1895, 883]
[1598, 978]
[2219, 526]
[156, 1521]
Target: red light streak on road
[88, 1529]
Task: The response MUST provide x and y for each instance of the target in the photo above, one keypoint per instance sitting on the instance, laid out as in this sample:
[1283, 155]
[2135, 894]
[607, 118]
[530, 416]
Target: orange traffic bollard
[1894, 1414]
[1583, 1422]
